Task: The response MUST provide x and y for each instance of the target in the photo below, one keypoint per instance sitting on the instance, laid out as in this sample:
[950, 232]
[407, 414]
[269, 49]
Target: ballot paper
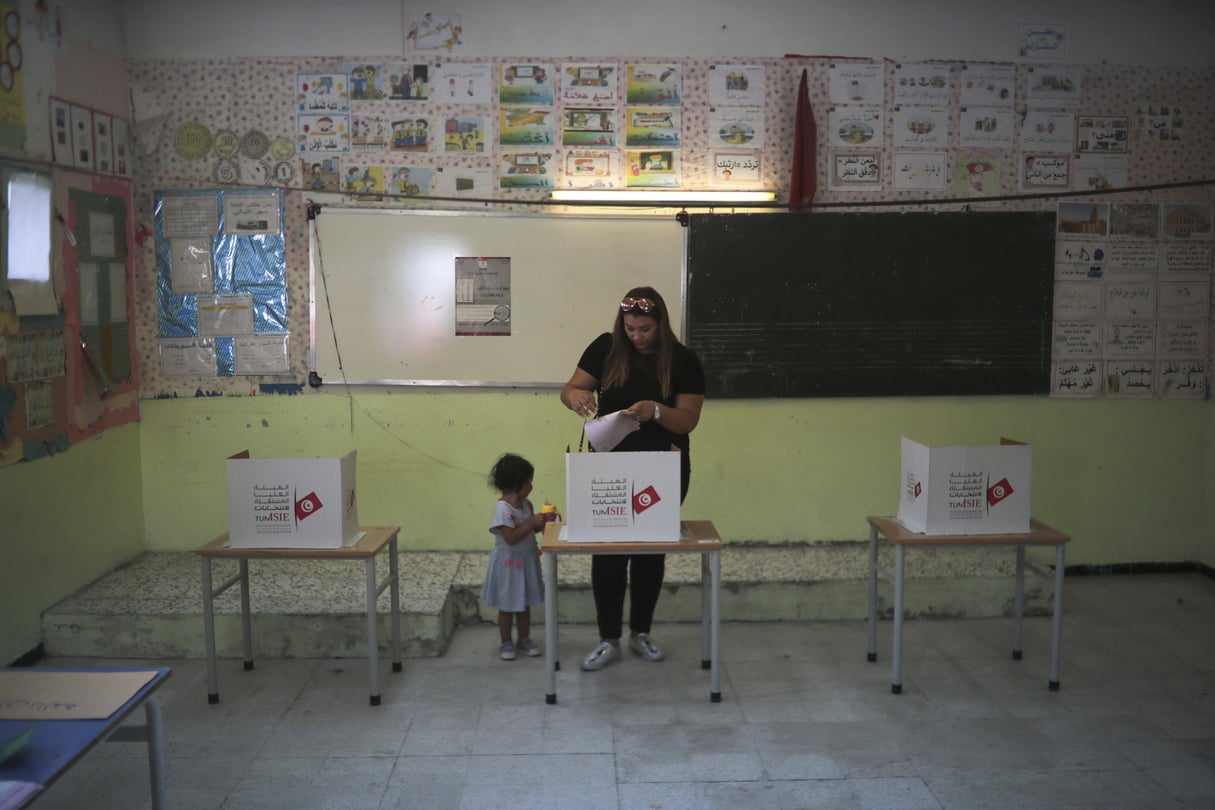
[605, 432]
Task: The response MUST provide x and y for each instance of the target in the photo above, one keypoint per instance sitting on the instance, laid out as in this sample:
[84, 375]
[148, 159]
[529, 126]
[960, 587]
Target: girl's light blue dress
[513, 581]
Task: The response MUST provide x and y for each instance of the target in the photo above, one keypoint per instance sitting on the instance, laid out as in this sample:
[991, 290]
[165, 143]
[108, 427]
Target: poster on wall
[433, 31]
[482, 296]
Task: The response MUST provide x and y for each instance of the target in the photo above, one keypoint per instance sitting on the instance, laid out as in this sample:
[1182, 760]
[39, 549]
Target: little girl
[513, 582]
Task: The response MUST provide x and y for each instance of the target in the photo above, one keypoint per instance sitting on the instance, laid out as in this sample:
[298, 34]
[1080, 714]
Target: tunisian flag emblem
[306, 506]
[998, 492]
[645, 499]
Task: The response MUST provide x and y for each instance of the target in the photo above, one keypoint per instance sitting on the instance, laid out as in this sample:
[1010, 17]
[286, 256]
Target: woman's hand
[642, 411]
[579, 394]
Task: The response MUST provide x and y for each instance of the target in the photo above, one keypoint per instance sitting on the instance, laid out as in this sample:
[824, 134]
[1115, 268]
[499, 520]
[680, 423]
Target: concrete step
[152, 606]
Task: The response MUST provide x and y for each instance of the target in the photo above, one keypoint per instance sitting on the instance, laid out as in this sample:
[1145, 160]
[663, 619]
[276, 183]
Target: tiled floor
[805, 721]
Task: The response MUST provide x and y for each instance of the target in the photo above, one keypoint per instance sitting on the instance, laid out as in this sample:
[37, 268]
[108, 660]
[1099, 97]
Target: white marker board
[383, 292]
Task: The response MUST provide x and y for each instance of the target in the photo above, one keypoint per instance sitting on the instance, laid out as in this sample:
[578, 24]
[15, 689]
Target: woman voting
[641, 369]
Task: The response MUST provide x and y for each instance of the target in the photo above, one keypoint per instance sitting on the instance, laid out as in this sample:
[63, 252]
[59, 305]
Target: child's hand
[538, 522]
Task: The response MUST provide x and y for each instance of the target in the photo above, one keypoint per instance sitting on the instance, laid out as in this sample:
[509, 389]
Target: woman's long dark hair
[616, 367]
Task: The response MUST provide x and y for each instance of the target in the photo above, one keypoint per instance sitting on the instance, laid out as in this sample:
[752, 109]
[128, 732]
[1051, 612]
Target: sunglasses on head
[628, 304]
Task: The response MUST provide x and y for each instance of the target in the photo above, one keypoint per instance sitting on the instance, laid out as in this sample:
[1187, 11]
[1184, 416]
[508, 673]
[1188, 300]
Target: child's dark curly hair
[511, 473]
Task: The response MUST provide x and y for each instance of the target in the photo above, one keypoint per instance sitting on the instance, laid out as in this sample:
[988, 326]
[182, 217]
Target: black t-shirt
[687, 377]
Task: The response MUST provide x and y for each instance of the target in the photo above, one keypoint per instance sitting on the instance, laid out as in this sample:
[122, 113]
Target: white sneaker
[644, 646]
[601, 656]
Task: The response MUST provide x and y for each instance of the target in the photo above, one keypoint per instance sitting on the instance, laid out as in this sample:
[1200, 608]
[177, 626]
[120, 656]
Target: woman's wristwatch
[657, 412]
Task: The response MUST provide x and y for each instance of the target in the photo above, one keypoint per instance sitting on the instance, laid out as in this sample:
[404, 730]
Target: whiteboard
[383, 292]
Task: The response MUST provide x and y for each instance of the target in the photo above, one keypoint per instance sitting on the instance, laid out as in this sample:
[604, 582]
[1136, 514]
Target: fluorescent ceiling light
[673, 198]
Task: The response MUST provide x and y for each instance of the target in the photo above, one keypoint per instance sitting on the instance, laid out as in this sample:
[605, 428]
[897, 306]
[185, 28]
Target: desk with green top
[696, 537]
[1039, 534]
[366, 548]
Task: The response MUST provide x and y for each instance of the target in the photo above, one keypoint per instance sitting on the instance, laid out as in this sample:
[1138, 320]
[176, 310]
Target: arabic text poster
[1072, 339]
[854, 171]
[322, 93]
[1182, 378]
[590, 83]
[652, 168]
[323, 133]
[1045, 172]
[1159, 122]
[1103, 134]
[736, 84]
[920, 127]
[1100, 172]
[988, 85]
[585, 126]
[738, 127]
[1053, 87]
[919, 170]
[1076, 378]
[734, 169]
[654, 84]
[990, 127]
[483, 296]
[591, 168]
[857, 83]
[1042, 40]
[1129, 338]
[522, 83]
[922, 84]
[1048, 131]
[1130, 379]
[854, 126]
[463, 83]
[653, 126]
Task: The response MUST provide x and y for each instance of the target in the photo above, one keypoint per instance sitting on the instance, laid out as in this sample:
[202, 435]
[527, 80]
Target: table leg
[246, 615]
[209, 631]
[373, 645]
[706, 576]
[1057, 620]
[156, 751]
[550, 627]
[896, 671]
[715, 611]
[395, 600]
[873, 554]
[1018, 603]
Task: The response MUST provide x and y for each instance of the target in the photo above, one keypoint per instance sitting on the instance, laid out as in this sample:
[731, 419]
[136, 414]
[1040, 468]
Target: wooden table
[1039, 535]
[697, 537]
[56, 745]
[372, 542]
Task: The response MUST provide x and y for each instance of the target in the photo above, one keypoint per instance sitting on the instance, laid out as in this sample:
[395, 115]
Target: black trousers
[610, 575]
[639, 574]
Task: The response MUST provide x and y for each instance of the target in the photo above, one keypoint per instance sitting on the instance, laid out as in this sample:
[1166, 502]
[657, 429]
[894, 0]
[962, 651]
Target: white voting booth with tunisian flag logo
[292, 502]
[622, 497]
[982, 489]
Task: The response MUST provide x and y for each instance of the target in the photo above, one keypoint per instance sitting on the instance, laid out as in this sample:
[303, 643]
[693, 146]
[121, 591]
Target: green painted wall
[64, 522]
[1125, 478]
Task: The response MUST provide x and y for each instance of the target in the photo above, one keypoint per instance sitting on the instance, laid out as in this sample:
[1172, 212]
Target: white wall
[1180, 32]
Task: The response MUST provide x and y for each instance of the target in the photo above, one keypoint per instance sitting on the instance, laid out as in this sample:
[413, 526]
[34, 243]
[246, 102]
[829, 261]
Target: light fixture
[671, 198]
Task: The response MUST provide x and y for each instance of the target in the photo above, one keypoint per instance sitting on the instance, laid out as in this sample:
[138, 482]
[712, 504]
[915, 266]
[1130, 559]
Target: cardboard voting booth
[622, 497]
[292, 502]
[965, 490]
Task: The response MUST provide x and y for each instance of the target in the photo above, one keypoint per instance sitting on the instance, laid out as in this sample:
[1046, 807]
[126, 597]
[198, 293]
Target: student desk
[1039, 535]
[57, 745]
[366, 548]
[696, 537]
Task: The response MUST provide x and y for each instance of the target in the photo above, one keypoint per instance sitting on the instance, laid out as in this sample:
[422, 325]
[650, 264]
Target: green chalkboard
[871, 304]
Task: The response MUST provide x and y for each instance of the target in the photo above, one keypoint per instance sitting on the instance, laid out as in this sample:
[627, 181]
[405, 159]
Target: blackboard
[384, 299]
[871, 304]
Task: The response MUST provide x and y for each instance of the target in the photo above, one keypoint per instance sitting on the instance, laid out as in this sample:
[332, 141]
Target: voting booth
[292, 502]
[982, 489]
[622, 497]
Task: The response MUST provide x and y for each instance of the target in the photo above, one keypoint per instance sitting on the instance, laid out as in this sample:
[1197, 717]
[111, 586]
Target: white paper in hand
[605, 432]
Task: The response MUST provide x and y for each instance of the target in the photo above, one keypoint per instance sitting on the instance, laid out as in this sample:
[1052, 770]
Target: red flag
[803, 180]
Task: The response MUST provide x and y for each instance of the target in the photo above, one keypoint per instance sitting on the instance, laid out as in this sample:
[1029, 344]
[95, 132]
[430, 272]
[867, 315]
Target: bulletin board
[384, 292]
